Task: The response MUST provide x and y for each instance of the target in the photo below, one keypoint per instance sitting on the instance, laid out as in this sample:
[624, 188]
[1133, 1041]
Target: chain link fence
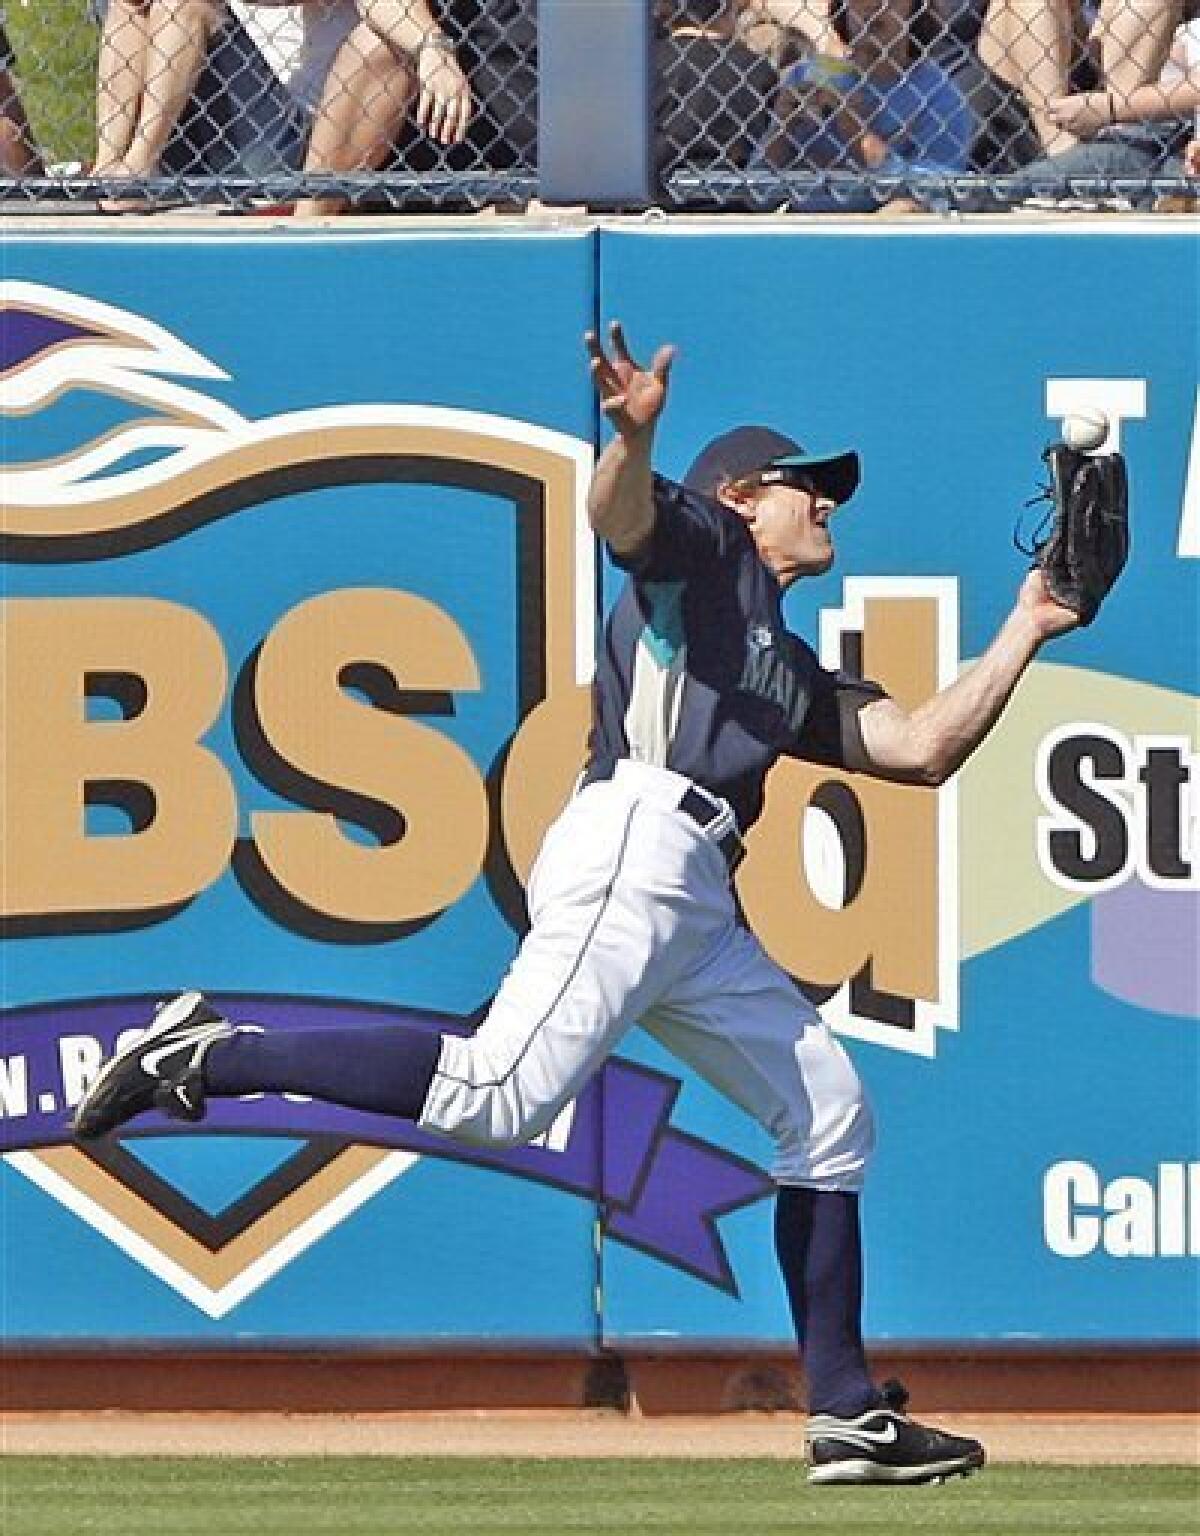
[852, 105]
[818, 105]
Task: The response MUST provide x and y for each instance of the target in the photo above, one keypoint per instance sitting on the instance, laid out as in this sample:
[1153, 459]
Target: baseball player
[700, 687]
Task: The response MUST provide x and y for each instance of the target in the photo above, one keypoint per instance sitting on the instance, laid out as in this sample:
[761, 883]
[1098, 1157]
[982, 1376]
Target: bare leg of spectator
[1134, 37]
[180, 32]
[18, 153]
[1029, 43]
[120, 81]
[150, 56]
[396, 59]
[366, 96]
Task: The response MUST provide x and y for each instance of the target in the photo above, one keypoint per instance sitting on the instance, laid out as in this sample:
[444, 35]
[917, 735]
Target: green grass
[56, 44]
[76, 1496]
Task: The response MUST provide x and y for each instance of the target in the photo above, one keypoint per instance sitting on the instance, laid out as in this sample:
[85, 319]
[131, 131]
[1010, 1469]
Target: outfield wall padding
[300, 615]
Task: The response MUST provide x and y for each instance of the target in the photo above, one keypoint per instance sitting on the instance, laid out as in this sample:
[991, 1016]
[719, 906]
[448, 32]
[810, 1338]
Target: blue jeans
[1132, 152]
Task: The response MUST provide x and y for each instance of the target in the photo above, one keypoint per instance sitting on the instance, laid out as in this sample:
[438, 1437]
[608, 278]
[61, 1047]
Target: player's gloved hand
[1087, 544]
[631, 396]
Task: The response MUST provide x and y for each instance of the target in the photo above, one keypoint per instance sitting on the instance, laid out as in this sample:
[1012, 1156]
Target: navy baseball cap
[773, 459]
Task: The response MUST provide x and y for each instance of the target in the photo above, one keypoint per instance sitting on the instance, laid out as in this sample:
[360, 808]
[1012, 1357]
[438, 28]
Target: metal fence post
[595, 95]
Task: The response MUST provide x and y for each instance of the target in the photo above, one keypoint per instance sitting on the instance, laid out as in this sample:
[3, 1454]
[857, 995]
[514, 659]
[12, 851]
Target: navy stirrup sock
[820, 1252]
[384, 1068]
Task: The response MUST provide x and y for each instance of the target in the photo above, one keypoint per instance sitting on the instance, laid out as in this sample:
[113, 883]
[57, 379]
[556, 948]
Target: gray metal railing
[818, 105]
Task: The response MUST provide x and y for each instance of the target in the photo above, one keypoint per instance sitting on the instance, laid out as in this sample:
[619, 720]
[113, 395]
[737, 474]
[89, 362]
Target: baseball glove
[1087, 539]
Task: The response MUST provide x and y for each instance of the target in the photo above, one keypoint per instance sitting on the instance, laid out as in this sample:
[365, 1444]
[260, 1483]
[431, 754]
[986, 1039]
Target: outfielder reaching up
[700, 687]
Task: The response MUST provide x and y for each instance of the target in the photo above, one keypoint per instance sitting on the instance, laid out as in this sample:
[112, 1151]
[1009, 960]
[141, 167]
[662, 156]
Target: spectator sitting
[475, 93]
[362, 68]
[875, 105]
[18, 152]
[1130, 139]
[392, 58]
[1011, 58]
[496, 41]
[1041, 49]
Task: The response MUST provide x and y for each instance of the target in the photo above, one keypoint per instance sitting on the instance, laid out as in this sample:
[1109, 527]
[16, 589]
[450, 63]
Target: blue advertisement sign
[300, 610]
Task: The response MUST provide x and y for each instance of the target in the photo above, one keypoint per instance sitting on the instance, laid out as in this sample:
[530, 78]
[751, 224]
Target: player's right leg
[609, 933]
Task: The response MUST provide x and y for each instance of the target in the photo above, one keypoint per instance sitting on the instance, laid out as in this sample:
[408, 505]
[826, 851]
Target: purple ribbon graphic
[659, 1189]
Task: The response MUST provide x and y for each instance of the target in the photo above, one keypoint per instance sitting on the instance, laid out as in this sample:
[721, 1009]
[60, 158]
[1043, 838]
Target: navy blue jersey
[698, 672]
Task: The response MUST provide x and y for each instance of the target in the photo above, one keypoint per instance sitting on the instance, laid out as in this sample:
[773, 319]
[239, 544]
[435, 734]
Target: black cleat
[883, 1445]
[159, 1071]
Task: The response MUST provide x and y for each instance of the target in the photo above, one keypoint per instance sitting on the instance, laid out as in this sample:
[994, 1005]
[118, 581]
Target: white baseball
[1085, 430]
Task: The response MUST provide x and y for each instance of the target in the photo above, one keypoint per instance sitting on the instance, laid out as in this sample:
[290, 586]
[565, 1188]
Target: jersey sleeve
[830, 733]
[689, 531]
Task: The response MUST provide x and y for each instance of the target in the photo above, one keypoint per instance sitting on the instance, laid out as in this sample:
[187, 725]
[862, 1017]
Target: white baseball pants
[633, 921]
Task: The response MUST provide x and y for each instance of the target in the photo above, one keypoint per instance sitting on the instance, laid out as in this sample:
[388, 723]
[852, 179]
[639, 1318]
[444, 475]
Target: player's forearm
[620, 501]
[950, 726]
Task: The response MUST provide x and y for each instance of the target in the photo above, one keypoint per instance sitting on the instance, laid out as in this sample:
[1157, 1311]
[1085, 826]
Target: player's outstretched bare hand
[632, 397]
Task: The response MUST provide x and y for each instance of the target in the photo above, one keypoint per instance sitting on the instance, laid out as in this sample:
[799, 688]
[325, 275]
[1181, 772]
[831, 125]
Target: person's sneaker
[884, 1445]
[161, 1070]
